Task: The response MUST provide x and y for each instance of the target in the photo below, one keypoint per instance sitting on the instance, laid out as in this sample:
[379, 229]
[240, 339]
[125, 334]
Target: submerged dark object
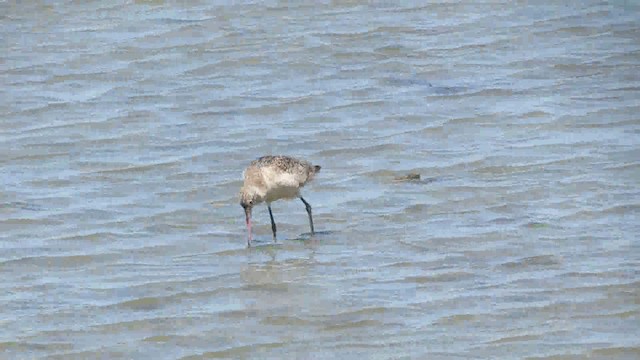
[408, 177]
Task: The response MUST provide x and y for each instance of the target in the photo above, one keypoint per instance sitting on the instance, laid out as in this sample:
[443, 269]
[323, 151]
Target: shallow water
[125, 129]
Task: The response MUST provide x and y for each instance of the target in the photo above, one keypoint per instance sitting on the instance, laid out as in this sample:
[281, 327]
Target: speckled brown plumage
[286, 164]
[270, 178]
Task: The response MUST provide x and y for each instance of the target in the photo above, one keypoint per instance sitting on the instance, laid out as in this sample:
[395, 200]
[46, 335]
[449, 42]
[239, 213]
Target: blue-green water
[125, 128]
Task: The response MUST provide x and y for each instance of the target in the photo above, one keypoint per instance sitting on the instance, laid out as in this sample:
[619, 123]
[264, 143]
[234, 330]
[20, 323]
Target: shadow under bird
[272, 178]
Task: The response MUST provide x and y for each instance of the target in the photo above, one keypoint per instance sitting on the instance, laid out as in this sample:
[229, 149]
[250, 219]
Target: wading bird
[272, 178]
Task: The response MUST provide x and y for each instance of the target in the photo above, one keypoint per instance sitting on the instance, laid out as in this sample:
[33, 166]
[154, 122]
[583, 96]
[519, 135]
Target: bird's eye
[250, 202]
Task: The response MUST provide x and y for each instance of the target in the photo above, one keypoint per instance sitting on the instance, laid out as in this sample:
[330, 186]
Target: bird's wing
[278, 178]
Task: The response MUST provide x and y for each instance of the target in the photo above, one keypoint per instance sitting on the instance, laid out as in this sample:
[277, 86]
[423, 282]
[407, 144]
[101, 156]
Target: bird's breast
[282, 193]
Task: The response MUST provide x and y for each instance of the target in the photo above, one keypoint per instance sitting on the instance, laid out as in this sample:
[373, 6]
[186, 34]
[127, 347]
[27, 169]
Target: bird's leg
[273, 223]
[308, 207]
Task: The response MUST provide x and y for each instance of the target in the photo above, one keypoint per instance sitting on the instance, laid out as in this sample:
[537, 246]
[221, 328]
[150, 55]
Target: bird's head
[248, 198]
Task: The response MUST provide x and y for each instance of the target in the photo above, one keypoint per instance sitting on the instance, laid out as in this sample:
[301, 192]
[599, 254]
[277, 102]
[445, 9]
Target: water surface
[125, 128]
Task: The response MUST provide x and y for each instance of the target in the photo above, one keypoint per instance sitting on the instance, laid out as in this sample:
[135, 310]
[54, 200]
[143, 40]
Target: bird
[270, 178]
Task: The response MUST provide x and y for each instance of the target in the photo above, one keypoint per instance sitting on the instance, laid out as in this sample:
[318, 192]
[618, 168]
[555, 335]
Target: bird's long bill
[247, 212]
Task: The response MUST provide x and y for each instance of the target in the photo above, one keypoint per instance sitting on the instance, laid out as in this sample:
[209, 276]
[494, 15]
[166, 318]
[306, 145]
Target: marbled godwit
[272, 178]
